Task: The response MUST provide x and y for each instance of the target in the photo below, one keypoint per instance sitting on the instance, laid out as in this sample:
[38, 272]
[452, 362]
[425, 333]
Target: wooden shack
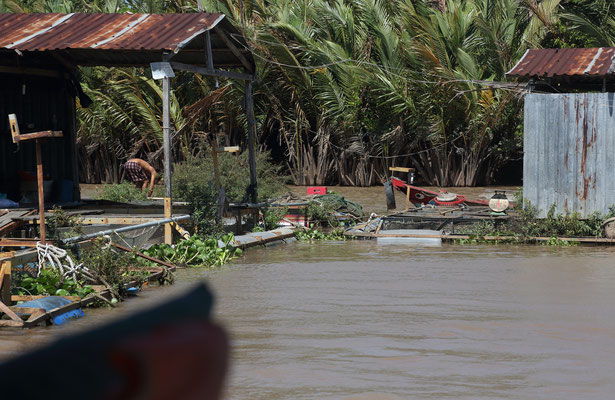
[39, 79]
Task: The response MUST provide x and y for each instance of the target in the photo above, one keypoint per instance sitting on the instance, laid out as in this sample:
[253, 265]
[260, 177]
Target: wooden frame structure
[202, 43]
[37, 137]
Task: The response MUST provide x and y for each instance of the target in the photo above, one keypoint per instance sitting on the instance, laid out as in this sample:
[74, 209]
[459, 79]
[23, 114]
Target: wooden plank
[16, 243]
[27, 310]
[38, 135]
[30, 71]
[5, 280]
[10, 313]
[228, 149]
[11, 323]
[9, 227]
[17, 297]
[41, 192]
[252, 189]
[401, 169]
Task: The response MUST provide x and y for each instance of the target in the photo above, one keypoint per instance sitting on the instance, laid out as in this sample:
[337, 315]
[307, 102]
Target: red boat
[423, 196]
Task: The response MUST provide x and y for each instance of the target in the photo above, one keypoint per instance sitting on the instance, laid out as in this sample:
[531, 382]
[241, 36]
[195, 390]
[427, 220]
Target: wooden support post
[41, 193]
[251, 144]
[214, 154]
[5, 280]
[407, 198]
[166, 129]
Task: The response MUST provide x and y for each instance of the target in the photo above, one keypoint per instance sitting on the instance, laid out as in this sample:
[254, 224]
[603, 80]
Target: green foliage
[555, 241]
[197, 251]
[321, 209]
[58, 219]
[122, 193]
[193, 181]
[273, 216]
[234, 172]
[113, 268]
[524, 224]
[51, 283]
[315, 234]
[341, 84]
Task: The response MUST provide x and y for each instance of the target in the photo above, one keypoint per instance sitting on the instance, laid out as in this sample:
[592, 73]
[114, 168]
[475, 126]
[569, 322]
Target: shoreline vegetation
[345, 89]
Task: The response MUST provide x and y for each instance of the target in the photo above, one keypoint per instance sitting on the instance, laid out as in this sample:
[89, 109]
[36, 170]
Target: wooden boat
[423, 196]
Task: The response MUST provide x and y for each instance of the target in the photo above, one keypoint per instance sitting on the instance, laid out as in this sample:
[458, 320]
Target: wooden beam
[249, 67]
[228, 149]
[166, 128]
[10, 313]
[17, 297]
[401, 169]
[16, 243]
[41, 192]
[37, 135]
[251, 144]
[31, 71]
[211, 72]
[5, 280]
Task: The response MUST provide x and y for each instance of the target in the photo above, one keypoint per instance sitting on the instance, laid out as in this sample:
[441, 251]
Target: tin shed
[569, 131]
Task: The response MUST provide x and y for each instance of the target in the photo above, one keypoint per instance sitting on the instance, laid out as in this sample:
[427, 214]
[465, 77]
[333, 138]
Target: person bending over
[140, 173]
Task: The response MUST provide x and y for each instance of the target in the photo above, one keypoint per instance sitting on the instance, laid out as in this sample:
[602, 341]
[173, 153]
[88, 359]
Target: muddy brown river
[363, 320]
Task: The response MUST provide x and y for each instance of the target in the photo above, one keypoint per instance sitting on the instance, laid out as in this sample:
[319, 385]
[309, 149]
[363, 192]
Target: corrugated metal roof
[110, 39]
[547, 63]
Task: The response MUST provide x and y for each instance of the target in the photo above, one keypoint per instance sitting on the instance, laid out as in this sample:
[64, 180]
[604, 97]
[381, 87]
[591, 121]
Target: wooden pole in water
[41, 193]
[251, 145]
[166, 129]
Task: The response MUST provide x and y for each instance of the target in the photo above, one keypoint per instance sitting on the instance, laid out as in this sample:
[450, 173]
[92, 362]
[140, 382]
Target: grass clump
[524, 225]
[121, 193]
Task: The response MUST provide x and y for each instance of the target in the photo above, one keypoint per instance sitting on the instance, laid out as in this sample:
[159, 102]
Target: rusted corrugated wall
[569, 152]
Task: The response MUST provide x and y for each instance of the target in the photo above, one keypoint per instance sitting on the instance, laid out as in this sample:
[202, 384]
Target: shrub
[58, 219]
[234, 174]
[114, 269]
[122, 193]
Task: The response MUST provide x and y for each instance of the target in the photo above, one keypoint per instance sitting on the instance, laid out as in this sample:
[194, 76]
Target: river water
[363, 320]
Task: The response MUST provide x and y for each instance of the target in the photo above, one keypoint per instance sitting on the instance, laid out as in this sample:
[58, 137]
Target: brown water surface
[362, 320]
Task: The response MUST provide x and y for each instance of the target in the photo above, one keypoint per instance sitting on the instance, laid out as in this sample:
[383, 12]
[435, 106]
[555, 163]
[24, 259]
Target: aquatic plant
[197, 251]
[315, 234]
[50, 283]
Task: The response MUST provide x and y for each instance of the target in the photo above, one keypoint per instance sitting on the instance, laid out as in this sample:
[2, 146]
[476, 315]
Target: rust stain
[584, 153]
[565, 62]
[38, 32]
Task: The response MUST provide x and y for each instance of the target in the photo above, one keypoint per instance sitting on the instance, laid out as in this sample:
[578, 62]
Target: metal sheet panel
[120, 39]
[547, 63]
[569, 152]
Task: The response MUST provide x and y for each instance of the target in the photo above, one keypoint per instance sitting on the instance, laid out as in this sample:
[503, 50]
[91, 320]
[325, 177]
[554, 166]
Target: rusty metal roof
[548, 63]
[118, 39]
